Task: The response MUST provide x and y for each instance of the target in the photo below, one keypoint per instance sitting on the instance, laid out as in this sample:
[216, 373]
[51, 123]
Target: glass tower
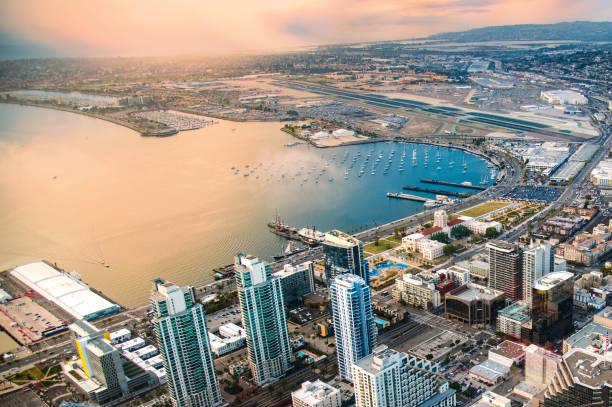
[263, 318]
[182, 337]
[343, 254]
[351, 303]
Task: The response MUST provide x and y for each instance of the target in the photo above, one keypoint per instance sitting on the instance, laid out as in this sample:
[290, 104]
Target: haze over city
[306, 203]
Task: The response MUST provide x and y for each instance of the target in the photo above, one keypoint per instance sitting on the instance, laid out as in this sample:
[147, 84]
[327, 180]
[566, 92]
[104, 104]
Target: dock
[435, 191]
[407, 197]
[452, 184]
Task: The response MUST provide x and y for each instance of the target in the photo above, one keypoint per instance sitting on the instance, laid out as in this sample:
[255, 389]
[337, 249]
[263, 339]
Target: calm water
[81, 191]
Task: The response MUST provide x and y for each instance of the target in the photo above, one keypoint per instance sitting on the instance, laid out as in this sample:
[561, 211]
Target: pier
[406, 196]
[452, 184]
[436, 191]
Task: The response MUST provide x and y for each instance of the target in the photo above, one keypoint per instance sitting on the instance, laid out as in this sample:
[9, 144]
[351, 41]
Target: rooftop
[552, 279]
[473, 292]
[509, 349]
[490, 370]
[501, 245]
[381, 358]
[431, 230]
[339, 238]
[66, 291]
[518, 311]
[312, 392]
[588, 368]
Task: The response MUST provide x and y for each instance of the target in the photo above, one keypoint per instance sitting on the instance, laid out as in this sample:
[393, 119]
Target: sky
[30, 28]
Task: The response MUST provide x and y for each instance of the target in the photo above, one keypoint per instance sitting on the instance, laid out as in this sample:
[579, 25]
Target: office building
[343, 254]
[296, 281]
[316, 394]
[538, 260]
[351, 303]
[552, 306]
[263, 319]
[459, 274]
[505, 268]
[182, 336]
[473, 304]
[109, 376]
[540, 365]
[388, 378]
[584, 378]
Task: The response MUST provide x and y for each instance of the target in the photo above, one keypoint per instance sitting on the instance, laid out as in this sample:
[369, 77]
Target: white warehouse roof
[68, 293]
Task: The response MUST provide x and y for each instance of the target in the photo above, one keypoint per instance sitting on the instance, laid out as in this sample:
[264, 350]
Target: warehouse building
[66, 291]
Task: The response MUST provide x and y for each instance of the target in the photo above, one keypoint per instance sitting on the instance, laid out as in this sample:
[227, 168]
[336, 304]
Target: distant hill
[577, 30]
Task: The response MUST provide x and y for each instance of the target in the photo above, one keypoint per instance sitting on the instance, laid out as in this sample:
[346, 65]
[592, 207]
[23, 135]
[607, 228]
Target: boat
[438, 168]
[291, 249]
[311, 236]
[282, 229]
[107, 265]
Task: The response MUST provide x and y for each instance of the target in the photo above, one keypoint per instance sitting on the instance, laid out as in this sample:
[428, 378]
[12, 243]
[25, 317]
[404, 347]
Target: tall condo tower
[263, 318]
[182, 337]
[505, 268]
[351, 302]
[538, 260]
[343, 254]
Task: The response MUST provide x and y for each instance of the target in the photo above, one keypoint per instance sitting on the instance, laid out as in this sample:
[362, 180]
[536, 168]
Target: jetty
[406, 196]
[452, 184]
[435, 191]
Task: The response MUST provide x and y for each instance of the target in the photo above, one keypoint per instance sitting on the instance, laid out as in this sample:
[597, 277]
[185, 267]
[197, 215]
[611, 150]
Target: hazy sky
[170, 27]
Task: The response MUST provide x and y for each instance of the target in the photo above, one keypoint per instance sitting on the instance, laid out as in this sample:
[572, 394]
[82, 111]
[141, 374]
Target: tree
[460, 231]
[376, 241]
[440, 237]
[491, 233]
[449, 249]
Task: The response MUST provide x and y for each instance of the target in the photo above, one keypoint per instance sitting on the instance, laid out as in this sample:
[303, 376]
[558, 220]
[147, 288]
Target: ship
[311, 237]
[291, 249]
[280, 228]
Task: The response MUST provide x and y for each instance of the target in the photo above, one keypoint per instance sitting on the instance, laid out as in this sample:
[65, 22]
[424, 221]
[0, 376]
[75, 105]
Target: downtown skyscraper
[263, 318]
[505, 268]
[538, 260]
[182, 337]
[342, 254]
[351, 302]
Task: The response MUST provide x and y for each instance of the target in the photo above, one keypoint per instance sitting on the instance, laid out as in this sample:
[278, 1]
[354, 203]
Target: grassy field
[483, 208]
[383, 244]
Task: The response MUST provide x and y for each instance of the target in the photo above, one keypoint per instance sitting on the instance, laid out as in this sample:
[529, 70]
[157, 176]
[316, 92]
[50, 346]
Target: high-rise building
[263, 318]
[343, 254]
[540, 365]
[584, 378]
[180, 327]
[296, 281]
[538, 260]
[316, 394]
[552, 306]
[505, 268]
[351, 302]
[440, 218]
[388, 378]
[104, 366]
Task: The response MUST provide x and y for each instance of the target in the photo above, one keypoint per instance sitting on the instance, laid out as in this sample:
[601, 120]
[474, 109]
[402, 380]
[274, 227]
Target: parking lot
[534, 193]
[26, 321]
[439, 345]
[224, 316]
